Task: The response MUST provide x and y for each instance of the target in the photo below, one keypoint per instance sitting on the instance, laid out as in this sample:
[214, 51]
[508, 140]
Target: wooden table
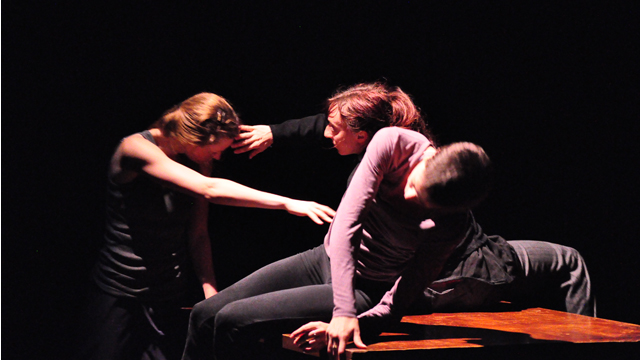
[527, 334]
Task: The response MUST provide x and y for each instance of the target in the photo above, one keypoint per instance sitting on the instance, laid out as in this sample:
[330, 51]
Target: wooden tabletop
[483, 329]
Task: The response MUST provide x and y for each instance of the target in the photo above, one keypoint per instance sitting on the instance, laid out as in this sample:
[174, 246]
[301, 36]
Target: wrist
[209, 290]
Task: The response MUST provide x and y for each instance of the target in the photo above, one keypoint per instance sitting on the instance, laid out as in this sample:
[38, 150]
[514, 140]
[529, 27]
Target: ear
[362, 137]
[429, 152]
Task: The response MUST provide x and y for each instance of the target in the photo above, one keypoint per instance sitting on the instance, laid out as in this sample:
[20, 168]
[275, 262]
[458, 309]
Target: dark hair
[372, 106]
[200, 120]
[458, 176]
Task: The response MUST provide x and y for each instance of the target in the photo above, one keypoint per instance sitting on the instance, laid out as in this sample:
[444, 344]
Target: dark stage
[549, 89]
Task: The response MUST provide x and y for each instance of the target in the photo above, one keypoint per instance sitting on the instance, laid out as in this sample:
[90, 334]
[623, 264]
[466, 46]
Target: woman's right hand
[253, 138]
[317, 212]
[311, 336]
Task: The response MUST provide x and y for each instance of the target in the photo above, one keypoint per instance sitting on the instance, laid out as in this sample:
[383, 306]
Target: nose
[217, 155]
[327, 133]
[410, 194]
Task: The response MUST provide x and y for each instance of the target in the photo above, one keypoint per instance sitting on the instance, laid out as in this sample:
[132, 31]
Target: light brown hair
[200, 120]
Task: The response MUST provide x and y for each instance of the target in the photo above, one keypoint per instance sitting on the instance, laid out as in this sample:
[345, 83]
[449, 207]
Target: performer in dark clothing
[159, 187]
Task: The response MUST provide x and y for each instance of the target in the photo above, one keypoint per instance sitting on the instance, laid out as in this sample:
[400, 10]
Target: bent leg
[244, 329]
[554, 273]
[307, 268]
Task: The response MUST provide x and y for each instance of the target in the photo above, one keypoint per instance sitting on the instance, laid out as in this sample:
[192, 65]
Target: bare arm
[137, 153]
[200, 244]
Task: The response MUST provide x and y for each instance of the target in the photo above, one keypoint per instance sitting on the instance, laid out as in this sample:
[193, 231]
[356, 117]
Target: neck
[168, 145]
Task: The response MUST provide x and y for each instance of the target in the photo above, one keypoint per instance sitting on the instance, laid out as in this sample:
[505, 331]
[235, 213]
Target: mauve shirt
[376, 231]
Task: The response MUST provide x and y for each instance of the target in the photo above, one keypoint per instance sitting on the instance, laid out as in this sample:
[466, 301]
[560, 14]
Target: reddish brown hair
[372, 106]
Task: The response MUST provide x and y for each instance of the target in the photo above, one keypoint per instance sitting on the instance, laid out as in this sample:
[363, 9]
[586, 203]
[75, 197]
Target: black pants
[274, 300]
[116, 328]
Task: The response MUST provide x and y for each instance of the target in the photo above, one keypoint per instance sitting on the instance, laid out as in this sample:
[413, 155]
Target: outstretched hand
[317, 212]
[339, 332]
[311, 336]
[252, 138]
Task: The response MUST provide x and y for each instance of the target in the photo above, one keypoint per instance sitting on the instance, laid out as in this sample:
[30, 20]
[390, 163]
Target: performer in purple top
[389, 233]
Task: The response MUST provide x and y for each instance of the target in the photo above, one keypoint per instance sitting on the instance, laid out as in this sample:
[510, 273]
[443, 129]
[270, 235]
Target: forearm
[306, 131]
[423, 270]
[200, 251]
[227, 192]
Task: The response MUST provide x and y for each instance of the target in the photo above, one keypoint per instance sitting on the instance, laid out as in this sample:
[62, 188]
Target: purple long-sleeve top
[376, 232]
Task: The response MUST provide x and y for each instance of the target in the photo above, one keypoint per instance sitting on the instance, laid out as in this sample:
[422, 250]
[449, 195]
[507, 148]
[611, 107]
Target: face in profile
[204, 154]
[345, 140]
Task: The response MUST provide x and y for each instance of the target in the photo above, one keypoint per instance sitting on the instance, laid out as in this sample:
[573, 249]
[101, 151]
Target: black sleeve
[300, 132]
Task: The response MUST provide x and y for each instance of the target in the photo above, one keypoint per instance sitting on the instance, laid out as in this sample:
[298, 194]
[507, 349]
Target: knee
[201, 313]
[228, 318]
[573, 259]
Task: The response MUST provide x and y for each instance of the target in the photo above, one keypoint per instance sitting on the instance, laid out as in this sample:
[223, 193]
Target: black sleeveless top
[145, 250]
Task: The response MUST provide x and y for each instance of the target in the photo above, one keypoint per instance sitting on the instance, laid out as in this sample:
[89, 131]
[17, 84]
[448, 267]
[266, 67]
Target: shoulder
[133, 145]
[392, 137]
[133, 152]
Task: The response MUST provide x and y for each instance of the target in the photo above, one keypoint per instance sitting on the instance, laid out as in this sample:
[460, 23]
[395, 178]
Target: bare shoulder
[131, 155]
[132, 144]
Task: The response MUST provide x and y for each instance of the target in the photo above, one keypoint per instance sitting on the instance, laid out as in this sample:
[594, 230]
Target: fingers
[303, 329]
[342, 346]
[324, 212]
[314, 345]
[245, 128]
[317, 333]
[242, 146]
[309, 337]
[256, 152]
[336, 347]
[324, 216]
[332, 347]
[357, 340]
[315, 218]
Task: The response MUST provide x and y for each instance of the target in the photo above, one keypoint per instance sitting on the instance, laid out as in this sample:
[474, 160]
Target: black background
[549, 88]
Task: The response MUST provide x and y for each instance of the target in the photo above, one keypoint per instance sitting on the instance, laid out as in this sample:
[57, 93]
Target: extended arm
[308, 130]
[137, 153]
[257, 138]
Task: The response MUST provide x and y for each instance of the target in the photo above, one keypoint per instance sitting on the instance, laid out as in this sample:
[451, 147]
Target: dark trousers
[277, 299]
[114, 328]
[554, 276]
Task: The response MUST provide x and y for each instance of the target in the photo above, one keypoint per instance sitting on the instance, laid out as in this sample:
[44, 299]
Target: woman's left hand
[339, 332]
[316, 212]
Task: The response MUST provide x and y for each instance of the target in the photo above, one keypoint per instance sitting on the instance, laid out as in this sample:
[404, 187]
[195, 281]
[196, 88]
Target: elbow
[215, 192]
[211, 192]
